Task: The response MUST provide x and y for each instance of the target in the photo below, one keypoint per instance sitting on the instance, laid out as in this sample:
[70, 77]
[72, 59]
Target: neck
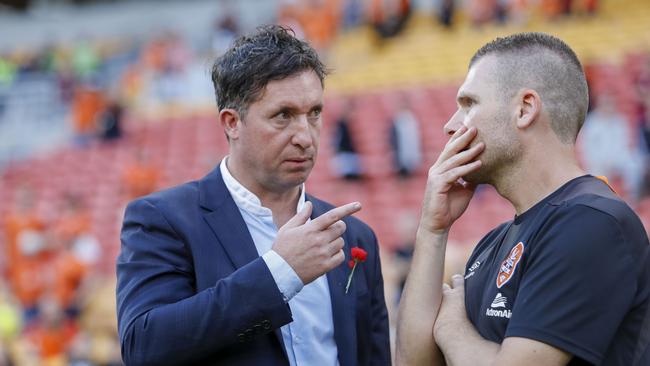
[537, 176]
[282, 205]
[281, 201]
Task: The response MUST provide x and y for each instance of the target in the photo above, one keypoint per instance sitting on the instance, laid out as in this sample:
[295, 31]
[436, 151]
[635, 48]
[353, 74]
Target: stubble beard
[498, 160]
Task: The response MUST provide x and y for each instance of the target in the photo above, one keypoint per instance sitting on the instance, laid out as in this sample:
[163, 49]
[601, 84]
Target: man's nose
[302, 133]
[454, 123]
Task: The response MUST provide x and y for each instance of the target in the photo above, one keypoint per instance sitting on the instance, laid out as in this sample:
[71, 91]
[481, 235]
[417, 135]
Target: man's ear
[231, 123]
[529, 107]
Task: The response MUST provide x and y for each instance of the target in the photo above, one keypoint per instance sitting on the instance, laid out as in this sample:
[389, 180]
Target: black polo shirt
[573, 271]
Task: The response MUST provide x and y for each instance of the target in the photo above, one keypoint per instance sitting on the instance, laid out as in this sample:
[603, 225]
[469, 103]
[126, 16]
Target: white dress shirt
[309, 339]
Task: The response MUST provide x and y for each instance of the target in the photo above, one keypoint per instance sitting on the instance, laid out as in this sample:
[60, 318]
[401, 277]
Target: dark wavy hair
[271, 53]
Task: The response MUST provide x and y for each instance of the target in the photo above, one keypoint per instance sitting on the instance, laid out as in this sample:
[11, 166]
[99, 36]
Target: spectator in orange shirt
[131, 84]
[26, 252]
[319, 20]
[552, 9]
[591, 6]
[153, 55]
[52, 333]
[388, 18]
[76, 252]
[72, 273]
[23, 218]
[29, 276]
[87, 104]
[69, 273]
[141, 177]
[74, 221]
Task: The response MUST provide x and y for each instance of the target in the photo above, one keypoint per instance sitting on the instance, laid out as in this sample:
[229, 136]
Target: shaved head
[547, 65]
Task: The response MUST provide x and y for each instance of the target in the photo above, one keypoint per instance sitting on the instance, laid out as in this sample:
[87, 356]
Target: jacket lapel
[225, 220]
[343, 305]
[227, 224]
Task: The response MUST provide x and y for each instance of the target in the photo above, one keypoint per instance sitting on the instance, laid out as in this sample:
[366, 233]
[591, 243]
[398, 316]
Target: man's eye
[283, 115]
[315, 113]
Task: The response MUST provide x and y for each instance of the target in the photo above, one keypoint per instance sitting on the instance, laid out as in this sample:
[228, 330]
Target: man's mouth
[298, 160]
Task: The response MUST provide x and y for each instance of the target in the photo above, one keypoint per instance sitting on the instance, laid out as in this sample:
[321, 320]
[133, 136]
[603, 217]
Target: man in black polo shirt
[567, 281]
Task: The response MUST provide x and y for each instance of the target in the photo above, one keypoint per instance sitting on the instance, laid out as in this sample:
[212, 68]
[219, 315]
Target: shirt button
[266, 324]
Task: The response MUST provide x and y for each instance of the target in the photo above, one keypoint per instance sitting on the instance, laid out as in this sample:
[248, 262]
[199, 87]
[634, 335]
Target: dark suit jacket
[192, 290]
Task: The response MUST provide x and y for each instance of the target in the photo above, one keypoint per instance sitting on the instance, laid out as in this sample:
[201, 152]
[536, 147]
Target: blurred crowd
[96, 81]
[519, 12]
[56, 308]
[617, 145]
[99, 81]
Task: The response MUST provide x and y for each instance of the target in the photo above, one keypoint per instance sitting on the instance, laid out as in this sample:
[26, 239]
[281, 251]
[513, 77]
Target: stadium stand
[425, 62]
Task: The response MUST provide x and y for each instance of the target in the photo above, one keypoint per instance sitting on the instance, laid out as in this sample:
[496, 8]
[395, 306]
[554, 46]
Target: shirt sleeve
[578, 284]
[285, 277]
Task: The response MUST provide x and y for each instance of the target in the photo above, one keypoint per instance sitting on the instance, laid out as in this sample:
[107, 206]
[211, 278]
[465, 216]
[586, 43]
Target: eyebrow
[292, 108]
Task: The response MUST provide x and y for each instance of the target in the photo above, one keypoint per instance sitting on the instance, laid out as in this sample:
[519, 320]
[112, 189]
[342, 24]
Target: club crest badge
[509, 265]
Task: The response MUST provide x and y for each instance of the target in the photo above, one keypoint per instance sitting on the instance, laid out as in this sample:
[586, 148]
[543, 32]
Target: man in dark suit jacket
[206, 277]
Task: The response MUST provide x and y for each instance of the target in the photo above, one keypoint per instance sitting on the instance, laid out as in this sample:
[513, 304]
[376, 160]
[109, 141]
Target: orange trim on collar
[606, 181]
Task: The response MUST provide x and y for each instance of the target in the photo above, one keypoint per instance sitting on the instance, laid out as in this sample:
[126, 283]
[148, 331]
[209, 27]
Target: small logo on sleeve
[470, 271]
[509, 265]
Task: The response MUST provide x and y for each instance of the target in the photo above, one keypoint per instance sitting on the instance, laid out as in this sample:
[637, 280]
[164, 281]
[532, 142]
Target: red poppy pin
[358, 255]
